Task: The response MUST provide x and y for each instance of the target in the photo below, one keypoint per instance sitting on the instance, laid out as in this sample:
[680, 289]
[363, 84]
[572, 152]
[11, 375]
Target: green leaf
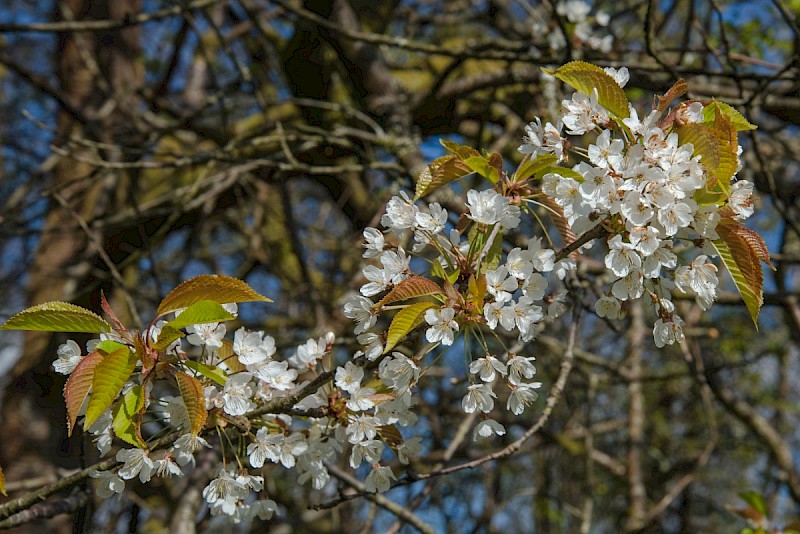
[212, 373]
[563, 172]
[220, 289]
[416, 286]
[124, 414]
[77, 387]
[110, 375]
[57, 317]
[586, 77]
[167, 335]
[205, 311]
[192, 393]
[532, 167]
[440, 172]
[405, 321]
[108, 346]
[3, 483]
[737, 119]
[484, 167]
[463, 152]
[717, 144]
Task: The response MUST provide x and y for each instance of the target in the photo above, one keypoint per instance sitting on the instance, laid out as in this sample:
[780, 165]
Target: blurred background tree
[147, 141]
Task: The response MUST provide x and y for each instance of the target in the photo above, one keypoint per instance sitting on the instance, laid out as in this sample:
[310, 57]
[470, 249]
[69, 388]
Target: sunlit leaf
[57, 317]
[405, 321]
[125, 424]
[110, 374]
[215, 287]
[212, 373]
[192, 393]
[560, 221]
[485, 167]
[717, 144]
[737, 119]
[463, 152]
[167, 336]
[415, 286]
[439, 172]
[78, 385]
[108, 346]
[586, 77]
[477, 290]
[742, 255]
[561, 171]
[531, 167]
[3, 483]
[205, 311]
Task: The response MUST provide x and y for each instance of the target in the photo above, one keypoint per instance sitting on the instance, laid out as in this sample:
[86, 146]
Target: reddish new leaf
[416, 286]
[78, 385]
[214, 287]
[192, 393]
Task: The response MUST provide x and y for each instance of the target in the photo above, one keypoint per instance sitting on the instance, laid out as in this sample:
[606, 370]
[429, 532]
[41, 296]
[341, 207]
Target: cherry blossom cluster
[343, 415]
[639, 182]
[514, 300]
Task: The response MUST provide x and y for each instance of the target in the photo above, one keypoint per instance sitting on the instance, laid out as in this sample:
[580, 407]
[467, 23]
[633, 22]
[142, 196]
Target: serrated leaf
[205, 311]
[110, 374]
[124, 422]
[560, 220]
[215, 287]
[586, 77]
[405, 321]
[728, 148]
[485, 167]
[415, 286]
[166, 337]
[703, 140]
[742, 262]
[716, 142]
[463, 152]
[107, 346]
[531, 167]
[440, 172]
[561, 171]
[212, 373]
[118, 326]
[3, 483]
[737, 119]
[192, 393]
[77, 387]
[57, 317]
[477, 290]
[144, 353]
